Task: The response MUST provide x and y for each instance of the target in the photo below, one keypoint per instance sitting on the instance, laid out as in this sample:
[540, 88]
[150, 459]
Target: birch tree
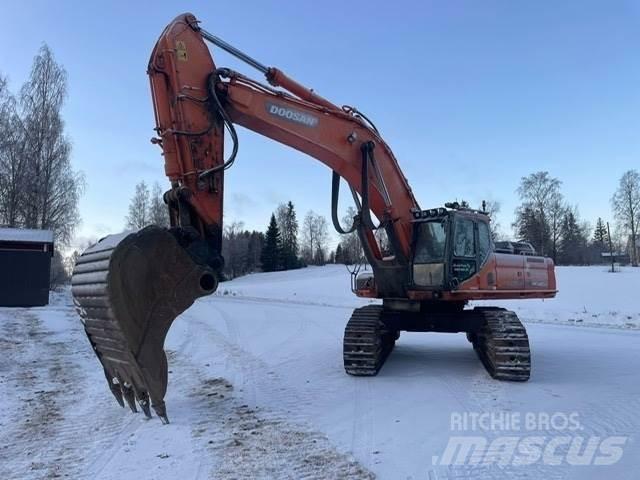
[158, 211]
[626, 208]
[538, 218]
[52, 188]
[315, 234]
[12, 171]
[139, 208]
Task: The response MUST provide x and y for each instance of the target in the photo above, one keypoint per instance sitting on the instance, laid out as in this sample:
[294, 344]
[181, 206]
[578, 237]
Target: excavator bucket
[128, 290]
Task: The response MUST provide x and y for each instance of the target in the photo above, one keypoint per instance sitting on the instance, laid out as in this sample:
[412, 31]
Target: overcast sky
[471, 95]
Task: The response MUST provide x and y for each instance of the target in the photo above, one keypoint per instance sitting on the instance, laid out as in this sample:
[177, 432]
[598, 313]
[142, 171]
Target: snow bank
[326, 286]
[587, 296]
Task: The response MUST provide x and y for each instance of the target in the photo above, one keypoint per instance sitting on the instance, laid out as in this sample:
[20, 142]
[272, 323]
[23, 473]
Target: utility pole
[610, 248]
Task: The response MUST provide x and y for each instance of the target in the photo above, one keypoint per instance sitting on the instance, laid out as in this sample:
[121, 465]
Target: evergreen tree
[272, 248]
[574, 242]
[530, 228]
[339, 258]
[288, 225]
[600, 235]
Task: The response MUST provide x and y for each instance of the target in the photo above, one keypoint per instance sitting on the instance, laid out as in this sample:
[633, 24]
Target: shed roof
[25, 235]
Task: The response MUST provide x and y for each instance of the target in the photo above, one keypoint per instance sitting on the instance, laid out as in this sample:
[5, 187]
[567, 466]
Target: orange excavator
[129, 288]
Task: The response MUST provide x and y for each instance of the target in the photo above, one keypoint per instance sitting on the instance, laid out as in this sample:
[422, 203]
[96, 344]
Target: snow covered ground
[587, 295]
[257, 390]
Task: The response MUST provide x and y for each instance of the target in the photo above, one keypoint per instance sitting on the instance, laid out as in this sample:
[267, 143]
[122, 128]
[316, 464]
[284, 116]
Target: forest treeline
[544, 218]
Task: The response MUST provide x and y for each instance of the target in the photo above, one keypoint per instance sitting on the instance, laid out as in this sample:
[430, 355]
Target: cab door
[486, 269]
[429, 251]
[464, 261]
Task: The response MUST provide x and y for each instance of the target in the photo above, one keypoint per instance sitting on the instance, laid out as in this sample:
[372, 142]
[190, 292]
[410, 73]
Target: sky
[470, 95]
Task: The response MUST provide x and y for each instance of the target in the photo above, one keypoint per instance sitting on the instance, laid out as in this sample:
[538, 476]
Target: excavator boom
[129, 288]
[194, 101]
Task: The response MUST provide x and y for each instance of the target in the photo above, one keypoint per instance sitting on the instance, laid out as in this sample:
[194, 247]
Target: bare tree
[12, 172]
[351, 250]
[539, 193]
[626, 208]
[308, 240]
[70, 261]
[235, 249]
[315, 235]
[158, 211]
[492, 208]
[4, 94]
[557, 211]
[58, 275]
[139, 208]
[52, 188]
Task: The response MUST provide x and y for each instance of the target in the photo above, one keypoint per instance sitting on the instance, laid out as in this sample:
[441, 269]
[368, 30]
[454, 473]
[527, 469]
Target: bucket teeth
[143, 401]
[115, 388]
[161, 412]
[128, 289]
[130, 398]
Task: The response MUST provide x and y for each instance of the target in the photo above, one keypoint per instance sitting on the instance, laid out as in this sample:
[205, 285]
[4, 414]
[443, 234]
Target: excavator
[129, 288]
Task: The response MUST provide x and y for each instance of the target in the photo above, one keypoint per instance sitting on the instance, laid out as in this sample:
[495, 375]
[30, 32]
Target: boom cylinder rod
[275, 77]
[233, 51]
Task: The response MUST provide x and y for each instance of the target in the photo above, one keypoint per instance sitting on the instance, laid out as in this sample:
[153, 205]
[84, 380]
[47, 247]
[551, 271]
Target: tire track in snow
[257, 375]
[52, 409]
[239, 441]
[363, 432]
[485, 395]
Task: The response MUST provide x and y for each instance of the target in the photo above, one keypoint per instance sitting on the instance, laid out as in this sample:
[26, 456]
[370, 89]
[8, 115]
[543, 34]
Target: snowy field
[257, 390]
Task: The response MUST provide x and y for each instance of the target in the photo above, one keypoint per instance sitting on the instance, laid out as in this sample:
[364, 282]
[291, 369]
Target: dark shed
[25, 266]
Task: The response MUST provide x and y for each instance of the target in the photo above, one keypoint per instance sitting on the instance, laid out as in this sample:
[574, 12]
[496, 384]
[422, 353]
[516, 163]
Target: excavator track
[128, 290]
[367, 343]
[502, 345]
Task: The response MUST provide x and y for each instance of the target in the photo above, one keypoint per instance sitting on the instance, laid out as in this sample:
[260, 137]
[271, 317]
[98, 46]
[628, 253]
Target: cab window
[431, 242]
[464, 244]
[484, 241]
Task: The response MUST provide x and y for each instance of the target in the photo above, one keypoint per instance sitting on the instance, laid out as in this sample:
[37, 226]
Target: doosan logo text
[292, 115]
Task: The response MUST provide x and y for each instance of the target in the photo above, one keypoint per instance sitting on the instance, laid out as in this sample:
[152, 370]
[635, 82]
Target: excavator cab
[449, 246]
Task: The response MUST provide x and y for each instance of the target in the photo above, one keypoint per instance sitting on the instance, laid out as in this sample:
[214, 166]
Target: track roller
[502, 345]
[367, 343]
